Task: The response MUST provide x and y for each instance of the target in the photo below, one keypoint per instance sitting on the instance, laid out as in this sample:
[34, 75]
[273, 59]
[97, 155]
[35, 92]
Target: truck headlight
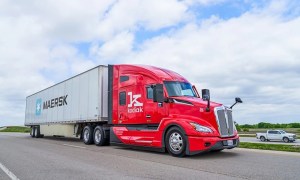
[200, 128]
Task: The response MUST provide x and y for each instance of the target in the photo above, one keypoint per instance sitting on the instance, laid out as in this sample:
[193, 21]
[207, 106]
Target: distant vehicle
[276, 135]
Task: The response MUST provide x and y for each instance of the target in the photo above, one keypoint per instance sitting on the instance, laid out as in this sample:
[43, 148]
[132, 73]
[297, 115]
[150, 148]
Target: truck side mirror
[158, 93]
[237, 100]
[206, 97]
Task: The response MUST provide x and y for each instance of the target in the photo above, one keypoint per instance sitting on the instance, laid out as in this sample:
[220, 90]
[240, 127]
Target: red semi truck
[133, 105]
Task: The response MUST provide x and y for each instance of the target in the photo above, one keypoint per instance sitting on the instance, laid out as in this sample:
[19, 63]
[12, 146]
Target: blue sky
[235, 48]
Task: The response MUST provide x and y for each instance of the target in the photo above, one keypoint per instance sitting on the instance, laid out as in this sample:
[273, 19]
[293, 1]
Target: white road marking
[74, 146]
[8, 172]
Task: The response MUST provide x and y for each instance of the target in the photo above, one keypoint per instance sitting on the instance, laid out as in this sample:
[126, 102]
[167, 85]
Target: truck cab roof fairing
[156, 73]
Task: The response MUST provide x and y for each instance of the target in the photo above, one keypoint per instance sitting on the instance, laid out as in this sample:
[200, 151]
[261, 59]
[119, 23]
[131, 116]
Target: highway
[60, 158]
[255, 140]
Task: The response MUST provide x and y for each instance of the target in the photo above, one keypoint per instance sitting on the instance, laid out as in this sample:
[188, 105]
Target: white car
[276, 135]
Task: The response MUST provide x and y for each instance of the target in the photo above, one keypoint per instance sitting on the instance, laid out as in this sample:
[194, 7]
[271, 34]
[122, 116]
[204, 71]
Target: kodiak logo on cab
[134, 106]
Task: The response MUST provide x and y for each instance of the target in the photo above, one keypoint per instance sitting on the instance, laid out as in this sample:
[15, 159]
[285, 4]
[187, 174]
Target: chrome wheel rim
[176, 141]
[97, 136]
[86, 135]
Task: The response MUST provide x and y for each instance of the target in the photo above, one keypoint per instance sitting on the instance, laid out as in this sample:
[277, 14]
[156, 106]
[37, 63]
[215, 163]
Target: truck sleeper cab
[158, 108]
[137, 106]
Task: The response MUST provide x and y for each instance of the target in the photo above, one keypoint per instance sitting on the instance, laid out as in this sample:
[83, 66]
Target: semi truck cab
[159, 109]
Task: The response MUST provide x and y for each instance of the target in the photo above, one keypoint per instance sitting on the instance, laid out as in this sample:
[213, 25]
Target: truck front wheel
[99, 137]
[262, 138]
[286, 140]
[88, 134]
[176, 142]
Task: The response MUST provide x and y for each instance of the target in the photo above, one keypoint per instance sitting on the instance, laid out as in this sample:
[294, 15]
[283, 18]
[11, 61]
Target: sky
[242, 48]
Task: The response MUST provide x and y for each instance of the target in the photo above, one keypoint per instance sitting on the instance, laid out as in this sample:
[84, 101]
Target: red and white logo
[134, 106]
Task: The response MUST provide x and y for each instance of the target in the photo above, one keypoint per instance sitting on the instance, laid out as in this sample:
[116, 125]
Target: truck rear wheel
[262, 138]
[99, 136]
[176, 142]
[88, 134]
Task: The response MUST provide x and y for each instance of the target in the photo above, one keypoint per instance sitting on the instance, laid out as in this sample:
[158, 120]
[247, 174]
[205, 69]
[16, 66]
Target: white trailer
[60, 109]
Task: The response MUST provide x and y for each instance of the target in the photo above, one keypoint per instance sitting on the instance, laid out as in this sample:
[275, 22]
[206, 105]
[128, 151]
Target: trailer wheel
[99, 136]
[37, 131]
[32, 131]
[176, 142]
[262, 138]
[88, 134]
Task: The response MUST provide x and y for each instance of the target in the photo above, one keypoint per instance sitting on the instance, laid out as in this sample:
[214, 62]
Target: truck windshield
[282, 132]
[176, 88]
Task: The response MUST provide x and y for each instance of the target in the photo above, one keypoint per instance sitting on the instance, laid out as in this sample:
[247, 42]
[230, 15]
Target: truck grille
[225, 121]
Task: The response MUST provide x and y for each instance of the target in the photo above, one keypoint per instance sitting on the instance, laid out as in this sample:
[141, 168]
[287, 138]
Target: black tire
[37, 132]
[262, 138]
[32, 131]
[87, 133]
[285, 139]
[176, 142]
[99, 136]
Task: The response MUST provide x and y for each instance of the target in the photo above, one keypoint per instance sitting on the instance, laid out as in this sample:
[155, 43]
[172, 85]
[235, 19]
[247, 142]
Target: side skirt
[146, 148]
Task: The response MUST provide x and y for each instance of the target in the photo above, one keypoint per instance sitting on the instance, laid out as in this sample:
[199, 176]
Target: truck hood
[290, 134]
[196, 101]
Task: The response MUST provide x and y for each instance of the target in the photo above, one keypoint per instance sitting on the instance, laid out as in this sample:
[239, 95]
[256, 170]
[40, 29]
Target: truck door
[122, 107]
[272, 135]
[153, 111]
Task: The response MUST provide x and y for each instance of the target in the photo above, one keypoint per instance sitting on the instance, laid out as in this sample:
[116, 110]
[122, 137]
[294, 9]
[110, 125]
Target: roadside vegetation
[249, 130]
[15, 129]
[274, 147]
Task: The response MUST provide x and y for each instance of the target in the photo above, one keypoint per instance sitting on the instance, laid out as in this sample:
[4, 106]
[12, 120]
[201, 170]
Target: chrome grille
[225, 121]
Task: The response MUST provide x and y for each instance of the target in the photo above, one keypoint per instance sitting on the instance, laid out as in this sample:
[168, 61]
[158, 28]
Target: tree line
[264, 125]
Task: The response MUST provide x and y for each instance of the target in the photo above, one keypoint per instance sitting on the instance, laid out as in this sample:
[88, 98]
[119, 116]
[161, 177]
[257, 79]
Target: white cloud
[148, 14]
[116, 48]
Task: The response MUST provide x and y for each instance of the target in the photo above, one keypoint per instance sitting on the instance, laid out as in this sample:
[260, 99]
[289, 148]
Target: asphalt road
[255, 140]
[60, 158]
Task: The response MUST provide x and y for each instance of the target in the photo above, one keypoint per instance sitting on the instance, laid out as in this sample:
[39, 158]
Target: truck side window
[149, 93]
[122, 98]
[124, 78]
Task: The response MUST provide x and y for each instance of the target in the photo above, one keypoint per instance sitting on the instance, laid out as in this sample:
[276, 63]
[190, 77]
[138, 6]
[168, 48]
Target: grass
[16, 129]
[274, 147]
[247, 135]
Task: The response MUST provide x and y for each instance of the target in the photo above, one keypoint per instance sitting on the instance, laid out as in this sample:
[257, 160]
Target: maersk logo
[38, 107]
[134, 106]
[55, 102]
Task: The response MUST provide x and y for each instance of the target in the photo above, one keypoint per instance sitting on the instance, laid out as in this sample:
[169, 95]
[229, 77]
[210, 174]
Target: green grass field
[274, 147]
[16, 129]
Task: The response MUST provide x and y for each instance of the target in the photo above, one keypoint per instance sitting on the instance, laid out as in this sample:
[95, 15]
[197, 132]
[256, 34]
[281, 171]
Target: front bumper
[203, 144]
[292, 138]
